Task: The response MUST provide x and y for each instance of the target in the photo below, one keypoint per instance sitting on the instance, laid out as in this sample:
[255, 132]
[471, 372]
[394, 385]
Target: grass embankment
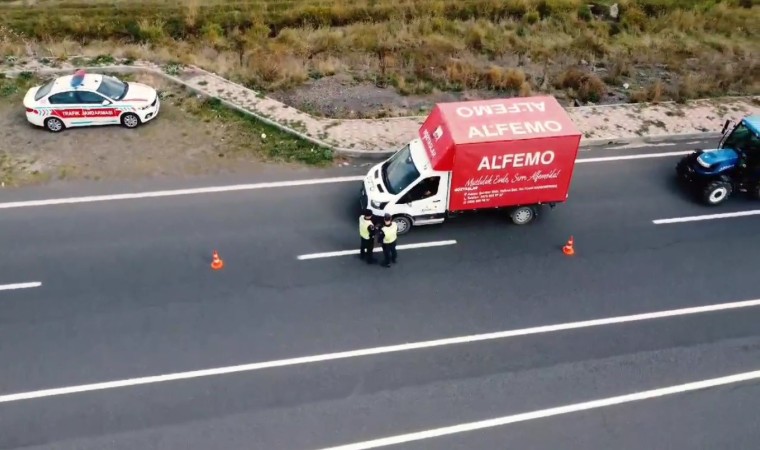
[254, 136]
[665, 49]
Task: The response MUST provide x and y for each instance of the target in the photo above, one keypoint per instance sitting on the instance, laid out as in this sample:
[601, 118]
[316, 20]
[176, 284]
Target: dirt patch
[191, 136]
[343, 97]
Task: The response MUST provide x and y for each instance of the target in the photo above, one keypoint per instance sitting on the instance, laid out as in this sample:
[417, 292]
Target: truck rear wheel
[716, 192]
[523, 215]
[403, 223]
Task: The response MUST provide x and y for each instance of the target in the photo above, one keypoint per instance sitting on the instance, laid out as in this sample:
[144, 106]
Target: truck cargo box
[503, 152]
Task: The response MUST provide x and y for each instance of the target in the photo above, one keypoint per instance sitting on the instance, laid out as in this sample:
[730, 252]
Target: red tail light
[30, 110]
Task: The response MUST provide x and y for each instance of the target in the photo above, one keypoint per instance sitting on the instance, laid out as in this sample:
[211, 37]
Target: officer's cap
[387, 217]
[367, 213]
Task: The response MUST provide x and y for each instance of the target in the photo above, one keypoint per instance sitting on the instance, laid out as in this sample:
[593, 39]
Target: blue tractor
[734, 166]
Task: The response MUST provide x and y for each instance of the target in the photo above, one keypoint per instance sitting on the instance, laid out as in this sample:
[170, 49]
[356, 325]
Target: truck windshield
[399, 172]
[742, 138]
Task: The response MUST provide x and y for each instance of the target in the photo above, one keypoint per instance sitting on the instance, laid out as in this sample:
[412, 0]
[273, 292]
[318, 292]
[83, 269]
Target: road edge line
[371, 351]
[551, 412]
[262, 185]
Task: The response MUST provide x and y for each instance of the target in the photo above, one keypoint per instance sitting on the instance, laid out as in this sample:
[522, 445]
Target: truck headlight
[378, 205]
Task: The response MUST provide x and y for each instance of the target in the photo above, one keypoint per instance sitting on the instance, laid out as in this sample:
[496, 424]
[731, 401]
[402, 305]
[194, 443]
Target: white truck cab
[407, 187]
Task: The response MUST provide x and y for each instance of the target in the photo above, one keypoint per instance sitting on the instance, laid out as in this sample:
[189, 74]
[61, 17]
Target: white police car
[85, 99]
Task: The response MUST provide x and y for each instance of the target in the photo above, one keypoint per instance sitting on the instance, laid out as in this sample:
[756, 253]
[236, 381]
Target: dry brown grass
[652, 93]
[587, 87]
[709, 48]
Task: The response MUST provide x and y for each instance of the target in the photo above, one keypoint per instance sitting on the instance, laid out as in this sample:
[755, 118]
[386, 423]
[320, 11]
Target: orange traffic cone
[568, 248]
[217, 262]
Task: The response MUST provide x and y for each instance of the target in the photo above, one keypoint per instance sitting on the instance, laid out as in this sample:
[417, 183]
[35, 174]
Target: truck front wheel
[716, 192]
[403, 223]
[522, 215]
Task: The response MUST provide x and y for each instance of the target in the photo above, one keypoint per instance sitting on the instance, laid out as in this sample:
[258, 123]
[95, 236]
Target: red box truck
[516, 154]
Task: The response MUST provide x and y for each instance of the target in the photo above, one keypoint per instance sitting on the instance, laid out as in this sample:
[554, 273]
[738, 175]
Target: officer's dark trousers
[366, 249]
[389, 252]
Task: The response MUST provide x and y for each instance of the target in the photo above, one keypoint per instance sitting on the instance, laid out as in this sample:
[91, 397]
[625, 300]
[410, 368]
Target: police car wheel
[54, 125]
[130, 120]
[403, 224]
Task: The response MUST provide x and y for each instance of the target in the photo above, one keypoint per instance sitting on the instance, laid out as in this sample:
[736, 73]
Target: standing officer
[367, 233]
[389, 233]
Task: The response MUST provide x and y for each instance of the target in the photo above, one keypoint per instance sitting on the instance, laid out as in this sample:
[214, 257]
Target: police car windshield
[400, 171]
[113, 88]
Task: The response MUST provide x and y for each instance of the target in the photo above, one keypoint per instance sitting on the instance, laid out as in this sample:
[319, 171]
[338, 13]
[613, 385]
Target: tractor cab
[743, 138]
[733, 166]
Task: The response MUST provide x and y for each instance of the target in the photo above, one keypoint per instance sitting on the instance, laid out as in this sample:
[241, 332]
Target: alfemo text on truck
[467, 112]
[514, 128]
[508, 128]
[499, 162]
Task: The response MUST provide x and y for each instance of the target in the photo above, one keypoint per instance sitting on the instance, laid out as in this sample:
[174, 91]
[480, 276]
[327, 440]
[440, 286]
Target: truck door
[426, 201]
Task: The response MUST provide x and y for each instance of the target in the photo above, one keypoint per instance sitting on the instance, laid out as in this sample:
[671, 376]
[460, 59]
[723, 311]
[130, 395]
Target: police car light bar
[78, 78]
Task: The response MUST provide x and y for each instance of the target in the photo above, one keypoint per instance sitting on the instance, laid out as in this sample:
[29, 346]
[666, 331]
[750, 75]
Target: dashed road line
[730, 215]
[376, 250]
[11, 287]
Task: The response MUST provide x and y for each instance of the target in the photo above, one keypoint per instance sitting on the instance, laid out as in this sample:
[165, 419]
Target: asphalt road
[127, 292]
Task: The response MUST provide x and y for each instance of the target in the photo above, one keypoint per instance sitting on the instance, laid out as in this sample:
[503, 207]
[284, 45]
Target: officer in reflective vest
[367, 233]
[389, 233]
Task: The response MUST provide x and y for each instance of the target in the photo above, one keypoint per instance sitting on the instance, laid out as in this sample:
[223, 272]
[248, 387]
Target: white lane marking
[10, 287]
[176, 192]
[254, 186]
[377, 249]
[556, 411]
[753, 212]
[639, 145]
[628, 157]
[375, 351]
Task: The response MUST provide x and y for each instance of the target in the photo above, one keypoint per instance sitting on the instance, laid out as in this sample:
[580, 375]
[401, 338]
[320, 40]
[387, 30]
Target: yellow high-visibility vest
[389, 233]
[363, 227]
